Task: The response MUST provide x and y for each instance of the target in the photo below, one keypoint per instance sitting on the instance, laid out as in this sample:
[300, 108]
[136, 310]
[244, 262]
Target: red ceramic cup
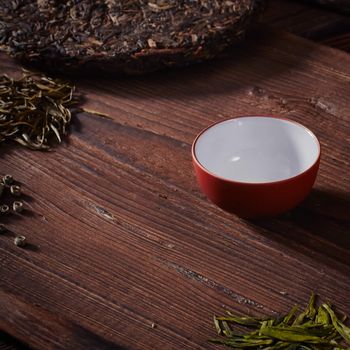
[256, 166]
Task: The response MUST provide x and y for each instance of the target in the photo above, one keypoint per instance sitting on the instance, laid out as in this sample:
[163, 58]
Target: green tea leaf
[286, 320]
[322, 316]
[309, 312]
[242, 344]
[227, 330]
[312, 329]
[244, 321]
[295, 334]
[217, 326]
[279, 345]
[338, 325]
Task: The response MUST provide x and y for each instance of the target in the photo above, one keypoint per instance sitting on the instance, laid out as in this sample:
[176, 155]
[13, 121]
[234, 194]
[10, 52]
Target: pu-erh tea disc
[129, 36]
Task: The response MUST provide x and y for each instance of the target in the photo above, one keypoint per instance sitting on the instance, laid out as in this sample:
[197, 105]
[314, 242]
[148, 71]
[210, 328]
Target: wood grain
[126, 253]
[310, 21]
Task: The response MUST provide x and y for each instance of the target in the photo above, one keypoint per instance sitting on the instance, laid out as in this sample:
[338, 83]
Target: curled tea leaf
[287, 319]
[338, 325]
[34, 109]
[309, 312]
[322, 316]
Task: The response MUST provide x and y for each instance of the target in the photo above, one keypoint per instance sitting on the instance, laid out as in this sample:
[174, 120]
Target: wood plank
[339, 5]
[310, 21]
[121, 237]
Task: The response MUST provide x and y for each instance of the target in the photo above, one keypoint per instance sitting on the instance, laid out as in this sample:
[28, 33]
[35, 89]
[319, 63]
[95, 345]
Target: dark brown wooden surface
[309, 21]
[120, 236]
[339, 5]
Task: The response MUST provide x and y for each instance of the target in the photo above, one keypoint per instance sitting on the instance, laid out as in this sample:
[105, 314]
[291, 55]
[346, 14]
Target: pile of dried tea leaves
[314, 328]
[33, 110]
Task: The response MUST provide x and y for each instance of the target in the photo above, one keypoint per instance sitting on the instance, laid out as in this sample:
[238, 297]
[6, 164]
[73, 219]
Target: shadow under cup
[256, 166]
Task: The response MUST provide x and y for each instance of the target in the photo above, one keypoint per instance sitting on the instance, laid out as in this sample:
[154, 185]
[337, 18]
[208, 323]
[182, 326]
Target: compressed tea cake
[129, 36]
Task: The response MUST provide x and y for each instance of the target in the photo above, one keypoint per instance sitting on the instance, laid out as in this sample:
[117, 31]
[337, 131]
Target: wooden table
[311, 22]
[126, 253]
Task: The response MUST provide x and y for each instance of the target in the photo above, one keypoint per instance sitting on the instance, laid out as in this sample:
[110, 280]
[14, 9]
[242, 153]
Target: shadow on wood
[69, 336]
[9, 343]
[319, 228]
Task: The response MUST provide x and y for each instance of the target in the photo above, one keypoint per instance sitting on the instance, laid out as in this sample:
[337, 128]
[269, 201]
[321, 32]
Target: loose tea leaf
[96, 113]
[290, 315]
[338, 325]
[7, 183]
[33, 110]
[309, 312]
[322, 316]
[9, 190]
[20, 241]
[311, 329]
[245, 321]
[298, 334]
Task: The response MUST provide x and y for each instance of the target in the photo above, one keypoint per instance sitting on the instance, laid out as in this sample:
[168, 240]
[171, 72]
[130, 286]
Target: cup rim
[197, 162]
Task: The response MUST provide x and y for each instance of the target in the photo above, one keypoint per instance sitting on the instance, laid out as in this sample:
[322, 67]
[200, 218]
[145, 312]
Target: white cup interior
[257, 149]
